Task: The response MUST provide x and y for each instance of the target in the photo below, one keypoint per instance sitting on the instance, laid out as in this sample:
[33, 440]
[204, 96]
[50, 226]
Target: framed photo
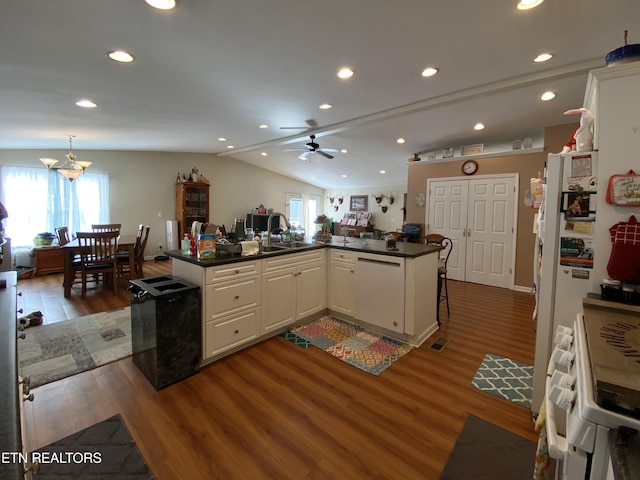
[576, 204]
[476, 149]
[447, 152]
[359, 203]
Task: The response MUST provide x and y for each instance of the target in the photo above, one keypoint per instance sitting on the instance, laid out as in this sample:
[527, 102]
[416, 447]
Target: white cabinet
[341, 281]
[293, 287]
[232, 297]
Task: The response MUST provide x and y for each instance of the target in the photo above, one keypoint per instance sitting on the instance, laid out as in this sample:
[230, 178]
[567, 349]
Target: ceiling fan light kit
[313, 147]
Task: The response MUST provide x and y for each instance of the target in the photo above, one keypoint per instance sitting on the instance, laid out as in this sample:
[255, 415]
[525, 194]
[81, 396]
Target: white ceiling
[212, 69]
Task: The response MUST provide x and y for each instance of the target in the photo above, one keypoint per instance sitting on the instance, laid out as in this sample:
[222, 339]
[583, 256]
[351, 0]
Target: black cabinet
[166, 329]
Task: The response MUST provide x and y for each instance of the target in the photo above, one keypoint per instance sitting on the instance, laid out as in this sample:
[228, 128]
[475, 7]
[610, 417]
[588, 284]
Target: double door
[478, 216]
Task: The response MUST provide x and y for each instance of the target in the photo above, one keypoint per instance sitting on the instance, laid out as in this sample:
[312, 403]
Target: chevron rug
[354, 345]
[505, 378]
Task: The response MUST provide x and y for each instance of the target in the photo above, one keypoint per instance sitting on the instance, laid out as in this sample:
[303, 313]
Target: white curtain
[39, 200]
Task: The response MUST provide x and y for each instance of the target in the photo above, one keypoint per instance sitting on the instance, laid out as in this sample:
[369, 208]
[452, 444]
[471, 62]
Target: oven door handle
[558, 447]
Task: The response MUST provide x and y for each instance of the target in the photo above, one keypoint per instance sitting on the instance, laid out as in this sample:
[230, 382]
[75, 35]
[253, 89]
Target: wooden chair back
[141, 242]
[63, 235]
[106, 227]
[98, 255]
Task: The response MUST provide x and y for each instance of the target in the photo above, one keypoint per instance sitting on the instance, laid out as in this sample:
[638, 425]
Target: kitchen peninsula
[247, 299]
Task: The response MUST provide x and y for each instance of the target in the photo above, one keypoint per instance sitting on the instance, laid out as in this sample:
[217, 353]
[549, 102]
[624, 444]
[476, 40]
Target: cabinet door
[341, 278]
[231, 332]
[311, 286]
[278, 299]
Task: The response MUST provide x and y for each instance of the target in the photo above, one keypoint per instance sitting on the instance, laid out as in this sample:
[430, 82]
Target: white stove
[592, 386]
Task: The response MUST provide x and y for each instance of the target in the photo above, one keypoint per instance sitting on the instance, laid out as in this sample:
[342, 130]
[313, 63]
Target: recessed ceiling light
[84, 103]
[546, 96]
[429, 72]
[383, 171]
[120, 56]
[345, 73]
[162, 4]
[478, 126]
[222, 139]
[230, 146]
[325, 106]
[344, 150]
[528, 4]
[400, 140]
[264, 125]
[543, 57]
[343, 176]
[264, 154]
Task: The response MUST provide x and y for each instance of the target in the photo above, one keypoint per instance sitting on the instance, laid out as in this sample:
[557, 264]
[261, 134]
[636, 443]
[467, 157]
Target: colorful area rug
[352, 344]
[54, 351]
[484, 451]
[505, 378]
[102, 451]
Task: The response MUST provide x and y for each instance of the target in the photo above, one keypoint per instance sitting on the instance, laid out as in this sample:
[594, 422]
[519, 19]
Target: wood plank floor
[278, 411]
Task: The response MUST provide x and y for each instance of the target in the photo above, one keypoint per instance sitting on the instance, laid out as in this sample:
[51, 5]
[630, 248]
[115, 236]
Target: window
[302, 210]
[39, 200]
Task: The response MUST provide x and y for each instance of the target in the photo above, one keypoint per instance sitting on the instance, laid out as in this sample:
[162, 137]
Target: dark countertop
[10, 441]
[407, 250]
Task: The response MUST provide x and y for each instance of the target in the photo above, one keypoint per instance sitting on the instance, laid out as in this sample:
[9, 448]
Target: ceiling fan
[313, 147]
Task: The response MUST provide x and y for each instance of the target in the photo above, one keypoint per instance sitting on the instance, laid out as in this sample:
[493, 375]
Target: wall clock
[469, 167]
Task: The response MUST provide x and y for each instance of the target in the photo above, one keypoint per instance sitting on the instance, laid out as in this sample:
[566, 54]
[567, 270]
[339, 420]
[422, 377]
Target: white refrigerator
[565, 252]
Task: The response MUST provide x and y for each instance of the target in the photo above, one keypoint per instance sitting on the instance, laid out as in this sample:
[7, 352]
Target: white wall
[143, 191]
[387, 222]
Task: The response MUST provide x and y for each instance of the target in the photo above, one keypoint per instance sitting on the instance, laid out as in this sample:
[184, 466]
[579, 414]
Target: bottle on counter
[185, 247]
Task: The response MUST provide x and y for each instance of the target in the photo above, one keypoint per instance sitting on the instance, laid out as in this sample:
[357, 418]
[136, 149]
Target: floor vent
[439, 344]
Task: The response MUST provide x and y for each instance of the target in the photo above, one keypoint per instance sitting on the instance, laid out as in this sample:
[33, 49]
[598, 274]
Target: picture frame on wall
[358, 203]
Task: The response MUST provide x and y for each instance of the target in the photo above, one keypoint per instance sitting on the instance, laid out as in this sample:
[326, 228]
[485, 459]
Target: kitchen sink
[273, 248]
[292, 244]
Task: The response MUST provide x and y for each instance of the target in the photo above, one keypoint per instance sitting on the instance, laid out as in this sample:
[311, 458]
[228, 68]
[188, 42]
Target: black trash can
[166, 329]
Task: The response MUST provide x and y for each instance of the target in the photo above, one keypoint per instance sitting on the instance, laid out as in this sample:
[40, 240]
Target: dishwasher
[379, 291]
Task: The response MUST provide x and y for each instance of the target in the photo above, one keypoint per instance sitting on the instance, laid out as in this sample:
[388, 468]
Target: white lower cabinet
[341, 281]
[293, 287]
[232, 296]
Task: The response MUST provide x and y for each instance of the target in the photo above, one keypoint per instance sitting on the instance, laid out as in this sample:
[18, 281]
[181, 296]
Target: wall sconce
[379, 197]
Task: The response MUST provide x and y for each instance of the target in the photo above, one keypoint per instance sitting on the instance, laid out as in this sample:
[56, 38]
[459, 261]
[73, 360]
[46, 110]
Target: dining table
[71, 249]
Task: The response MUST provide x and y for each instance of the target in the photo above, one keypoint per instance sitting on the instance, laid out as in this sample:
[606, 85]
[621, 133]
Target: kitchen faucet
[269, 225]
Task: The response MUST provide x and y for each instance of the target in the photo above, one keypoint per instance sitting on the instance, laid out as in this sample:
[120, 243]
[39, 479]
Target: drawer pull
[19, 294]
[29, 397]
[25, 380]
[237, 297]
[236, 271]
[236, 331]
[22, 336]
[21, 310]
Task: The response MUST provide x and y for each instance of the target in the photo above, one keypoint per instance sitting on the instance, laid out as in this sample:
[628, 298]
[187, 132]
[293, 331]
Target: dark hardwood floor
[279, 411]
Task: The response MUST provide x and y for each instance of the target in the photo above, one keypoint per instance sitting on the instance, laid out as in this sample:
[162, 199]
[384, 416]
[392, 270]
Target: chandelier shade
[70, 168]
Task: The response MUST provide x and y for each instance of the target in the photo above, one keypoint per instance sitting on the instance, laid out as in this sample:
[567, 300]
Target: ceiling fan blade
[294, 128]
[294, 150]
[311, 123]
[332, 150]
[303, 156]
[324, 154]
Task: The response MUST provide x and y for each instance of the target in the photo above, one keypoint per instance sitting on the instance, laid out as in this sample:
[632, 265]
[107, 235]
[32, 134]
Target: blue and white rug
[505, 378]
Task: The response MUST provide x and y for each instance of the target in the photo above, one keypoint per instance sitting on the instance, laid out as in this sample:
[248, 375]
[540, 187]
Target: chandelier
[70, 168]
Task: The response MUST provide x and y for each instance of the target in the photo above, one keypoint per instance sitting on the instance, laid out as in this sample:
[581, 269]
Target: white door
[478, 215]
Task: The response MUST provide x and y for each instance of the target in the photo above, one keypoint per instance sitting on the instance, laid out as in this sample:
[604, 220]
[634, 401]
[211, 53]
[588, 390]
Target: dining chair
[98, 258]
[62, 233]
[138, 252]
[443, 260]
[106, 227]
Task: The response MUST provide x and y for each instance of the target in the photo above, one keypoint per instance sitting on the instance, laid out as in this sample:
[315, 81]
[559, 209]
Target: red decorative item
[624, 262]
[624, 190]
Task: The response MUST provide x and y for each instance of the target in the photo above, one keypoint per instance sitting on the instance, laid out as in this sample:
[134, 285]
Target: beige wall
[525, 165]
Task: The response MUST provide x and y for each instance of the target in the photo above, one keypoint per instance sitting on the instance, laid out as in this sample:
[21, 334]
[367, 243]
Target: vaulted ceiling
[219, 69]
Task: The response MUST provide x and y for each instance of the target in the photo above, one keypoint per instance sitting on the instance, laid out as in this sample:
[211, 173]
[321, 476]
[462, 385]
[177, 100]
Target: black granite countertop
[407, 250]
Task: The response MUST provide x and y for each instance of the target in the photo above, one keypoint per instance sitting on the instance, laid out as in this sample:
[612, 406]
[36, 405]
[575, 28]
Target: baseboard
[520, 288]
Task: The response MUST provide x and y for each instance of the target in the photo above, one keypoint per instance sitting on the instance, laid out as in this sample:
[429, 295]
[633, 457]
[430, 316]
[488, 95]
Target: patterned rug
[505, 378]
[354, 345]
[102, 451]
[54, 351]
